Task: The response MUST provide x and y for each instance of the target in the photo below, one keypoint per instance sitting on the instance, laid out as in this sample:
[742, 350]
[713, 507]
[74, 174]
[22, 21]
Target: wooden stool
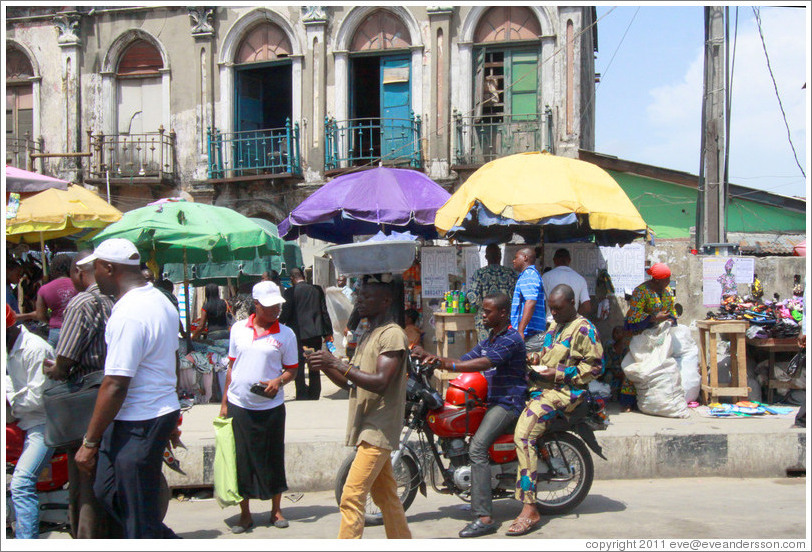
[772, 346]
[446, 322]
[709, 332]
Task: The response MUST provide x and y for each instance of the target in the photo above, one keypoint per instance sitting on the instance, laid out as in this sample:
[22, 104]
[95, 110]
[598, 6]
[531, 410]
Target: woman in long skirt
[263, 357]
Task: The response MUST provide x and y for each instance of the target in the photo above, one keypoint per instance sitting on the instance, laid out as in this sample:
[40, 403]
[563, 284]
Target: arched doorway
[139, 89]
[19, 107]
[507, 114]
[382, 125]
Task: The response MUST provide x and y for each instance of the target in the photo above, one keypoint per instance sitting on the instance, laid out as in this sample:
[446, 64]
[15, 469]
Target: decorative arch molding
[36, 82]
[472, 20]
[343, 40]
[228, 51]
[351, 22]
[124, 40]
[109, 82]
[26, 51]
[243, 26]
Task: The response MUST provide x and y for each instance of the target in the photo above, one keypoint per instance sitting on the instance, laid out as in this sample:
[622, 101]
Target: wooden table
[772, 346]
[709, 332]
[445, 323]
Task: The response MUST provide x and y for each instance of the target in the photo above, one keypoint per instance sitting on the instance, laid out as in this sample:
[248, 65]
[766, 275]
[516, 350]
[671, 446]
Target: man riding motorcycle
[504, 352]
[570, 357]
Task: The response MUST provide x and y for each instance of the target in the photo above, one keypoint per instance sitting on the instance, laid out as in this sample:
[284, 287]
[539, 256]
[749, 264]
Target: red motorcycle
[444, 430]
[52, 486]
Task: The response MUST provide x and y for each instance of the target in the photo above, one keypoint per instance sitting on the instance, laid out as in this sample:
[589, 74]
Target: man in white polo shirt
[563, 274]
[137, 408]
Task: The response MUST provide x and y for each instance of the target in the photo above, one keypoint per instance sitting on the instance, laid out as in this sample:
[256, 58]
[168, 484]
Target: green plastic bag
[225, 464]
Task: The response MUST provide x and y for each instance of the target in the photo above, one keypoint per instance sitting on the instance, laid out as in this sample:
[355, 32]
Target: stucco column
[202, 19]
[314, 109]
[69, 30]
[438, 130]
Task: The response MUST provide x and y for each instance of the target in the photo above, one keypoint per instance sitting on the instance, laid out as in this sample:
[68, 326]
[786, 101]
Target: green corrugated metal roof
[670, 209]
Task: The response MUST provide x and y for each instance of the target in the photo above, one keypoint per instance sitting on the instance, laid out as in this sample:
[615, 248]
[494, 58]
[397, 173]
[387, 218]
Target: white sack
[651, 367]
[686, 353]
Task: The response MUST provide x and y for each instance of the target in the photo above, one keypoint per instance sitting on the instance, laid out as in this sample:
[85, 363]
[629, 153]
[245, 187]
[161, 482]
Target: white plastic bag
[651, 367]
[339, 308]
[686, 353]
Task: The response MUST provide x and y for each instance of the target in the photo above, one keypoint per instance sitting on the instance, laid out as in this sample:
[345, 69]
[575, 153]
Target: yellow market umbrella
[523, 193]
[57, 213]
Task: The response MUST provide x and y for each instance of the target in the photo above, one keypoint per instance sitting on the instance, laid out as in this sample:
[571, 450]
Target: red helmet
[456, 392]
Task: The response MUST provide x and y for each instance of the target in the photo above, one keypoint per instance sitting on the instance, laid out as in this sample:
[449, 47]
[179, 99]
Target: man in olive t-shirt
[377, 383]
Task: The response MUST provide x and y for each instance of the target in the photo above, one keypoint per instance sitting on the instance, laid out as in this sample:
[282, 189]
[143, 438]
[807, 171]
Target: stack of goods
[775, 319]
[412, 288]
[456, 302]
[745, 409]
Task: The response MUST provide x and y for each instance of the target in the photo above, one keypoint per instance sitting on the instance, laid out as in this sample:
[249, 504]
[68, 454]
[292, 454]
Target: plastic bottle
[331, 347]
[455, 302]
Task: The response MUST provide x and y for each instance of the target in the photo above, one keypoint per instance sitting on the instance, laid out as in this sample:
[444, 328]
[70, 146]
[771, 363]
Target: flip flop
[281, 524]
[522, 526]
[238, 529]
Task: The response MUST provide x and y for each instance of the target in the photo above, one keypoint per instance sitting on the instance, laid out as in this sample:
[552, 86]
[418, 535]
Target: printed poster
[714, 272]
[436, 263]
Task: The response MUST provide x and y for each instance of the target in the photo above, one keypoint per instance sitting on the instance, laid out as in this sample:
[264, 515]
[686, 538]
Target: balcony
[135, 158]
[19, 149]
[247, 153]
[480, 139]
[391, 142]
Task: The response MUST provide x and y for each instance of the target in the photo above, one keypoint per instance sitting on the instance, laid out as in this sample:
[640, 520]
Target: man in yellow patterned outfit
[571, 356]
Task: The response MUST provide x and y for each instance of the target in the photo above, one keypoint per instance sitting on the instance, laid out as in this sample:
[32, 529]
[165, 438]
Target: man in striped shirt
[81, 350]
[528, 313]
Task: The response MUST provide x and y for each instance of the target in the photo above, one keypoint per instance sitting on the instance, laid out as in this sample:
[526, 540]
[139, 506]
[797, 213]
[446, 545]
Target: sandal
[238, 529]
[522, 526]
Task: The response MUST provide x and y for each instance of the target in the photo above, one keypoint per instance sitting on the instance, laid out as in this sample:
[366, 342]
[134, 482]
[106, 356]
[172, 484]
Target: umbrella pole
[541, 250]
[186, 292]
[44, 260]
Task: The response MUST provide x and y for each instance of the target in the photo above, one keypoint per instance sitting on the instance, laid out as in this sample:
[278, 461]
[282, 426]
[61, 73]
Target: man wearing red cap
[652, 301]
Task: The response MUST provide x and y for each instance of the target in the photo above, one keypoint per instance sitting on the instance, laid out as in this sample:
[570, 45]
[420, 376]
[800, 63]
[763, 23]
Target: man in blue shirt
[503, 352]
[528, 313]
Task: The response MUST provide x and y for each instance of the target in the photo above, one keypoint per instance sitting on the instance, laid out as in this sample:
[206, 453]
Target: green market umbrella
[178, 231]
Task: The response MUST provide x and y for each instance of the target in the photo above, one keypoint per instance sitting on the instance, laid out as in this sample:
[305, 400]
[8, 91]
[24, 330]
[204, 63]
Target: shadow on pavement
[202, 534]
[599, 504]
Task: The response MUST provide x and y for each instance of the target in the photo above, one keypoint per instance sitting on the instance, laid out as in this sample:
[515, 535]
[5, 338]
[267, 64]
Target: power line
[757, 12]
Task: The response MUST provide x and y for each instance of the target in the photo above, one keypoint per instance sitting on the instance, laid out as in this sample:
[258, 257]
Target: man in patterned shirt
[527, 312]
[493, 278]
[569, 359]
[81, 350]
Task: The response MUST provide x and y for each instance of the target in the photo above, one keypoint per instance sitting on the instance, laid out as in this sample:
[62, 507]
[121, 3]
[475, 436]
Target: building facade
[255, 107]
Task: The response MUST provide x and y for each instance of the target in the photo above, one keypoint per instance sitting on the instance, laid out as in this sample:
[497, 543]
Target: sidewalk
[636, 445]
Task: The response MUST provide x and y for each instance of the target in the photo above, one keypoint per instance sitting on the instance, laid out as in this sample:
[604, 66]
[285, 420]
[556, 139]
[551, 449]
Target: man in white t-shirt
[563, 274]
[137, 408]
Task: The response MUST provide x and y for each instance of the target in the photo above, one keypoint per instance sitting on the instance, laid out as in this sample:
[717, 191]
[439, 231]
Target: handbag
[68, 408]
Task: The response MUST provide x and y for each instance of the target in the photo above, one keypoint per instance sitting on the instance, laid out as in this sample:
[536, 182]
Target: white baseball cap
[114, 250]
[268, 294]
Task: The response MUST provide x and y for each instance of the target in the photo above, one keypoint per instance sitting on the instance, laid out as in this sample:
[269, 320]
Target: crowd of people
[535, 339]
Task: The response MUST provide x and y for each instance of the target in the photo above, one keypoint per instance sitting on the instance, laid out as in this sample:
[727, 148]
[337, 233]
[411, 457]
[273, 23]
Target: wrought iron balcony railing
[480, 139]
[146, 155]
[371, 140]
[254, 152]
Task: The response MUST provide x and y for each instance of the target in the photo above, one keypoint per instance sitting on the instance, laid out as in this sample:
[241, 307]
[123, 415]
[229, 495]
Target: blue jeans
[24, 498]
[53, 336]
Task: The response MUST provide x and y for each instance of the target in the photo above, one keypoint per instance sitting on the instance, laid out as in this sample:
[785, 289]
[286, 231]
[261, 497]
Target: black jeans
[128, 474]
[305, 392]
[497, 421]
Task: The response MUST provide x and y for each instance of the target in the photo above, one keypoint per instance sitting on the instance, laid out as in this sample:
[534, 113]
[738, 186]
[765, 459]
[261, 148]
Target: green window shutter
[524, 84]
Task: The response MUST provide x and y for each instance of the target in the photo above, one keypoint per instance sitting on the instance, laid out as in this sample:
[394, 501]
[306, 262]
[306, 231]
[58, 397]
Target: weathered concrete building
[254, 107]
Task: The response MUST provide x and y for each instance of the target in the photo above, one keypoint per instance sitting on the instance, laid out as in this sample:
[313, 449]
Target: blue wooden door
[397, 139]
[248, 119]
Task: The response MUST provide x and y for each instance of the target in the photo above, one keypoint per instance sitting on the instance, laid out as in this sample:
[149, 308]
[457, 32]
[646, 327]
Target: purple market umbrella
[367, 202]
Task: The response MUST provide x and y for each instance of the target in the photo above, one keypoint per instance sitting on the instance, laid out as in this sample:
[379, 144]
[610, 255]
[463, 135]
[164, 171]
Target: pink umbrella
[21, 181]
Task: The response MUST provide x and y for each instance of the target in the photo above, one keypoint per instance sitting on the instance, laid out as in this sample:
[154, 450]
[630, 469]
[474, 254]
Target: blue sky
[648, 103]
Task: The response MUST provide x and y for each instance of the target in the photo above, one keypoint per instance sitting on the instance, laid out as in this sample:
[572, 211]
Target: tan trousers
[371, 472]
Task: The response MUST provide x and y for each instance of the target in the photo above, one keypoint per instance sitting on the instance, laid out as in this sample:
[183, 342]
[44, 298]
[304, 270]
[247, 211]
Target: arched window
[140, 88]
[381, 30]
[506, 79]
[265, 42]
[19, 103]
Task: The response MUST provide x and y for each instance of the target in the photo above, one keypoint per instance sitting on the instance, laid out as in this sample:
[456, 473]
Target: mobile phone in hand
[258, 389]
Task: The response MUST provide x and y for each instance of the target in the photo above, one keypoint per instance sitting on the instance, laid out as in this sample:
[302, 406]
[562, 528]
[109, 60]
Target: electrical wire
[757, 13]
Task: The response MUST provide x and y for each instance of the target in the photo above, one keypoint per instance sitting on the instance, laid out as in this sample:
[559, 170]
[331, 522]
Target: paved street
[666, 508]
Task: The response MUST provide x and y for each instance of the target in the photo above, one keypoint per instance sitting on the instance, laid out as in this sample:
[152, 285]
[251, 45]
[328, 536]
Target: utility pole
[711, 199]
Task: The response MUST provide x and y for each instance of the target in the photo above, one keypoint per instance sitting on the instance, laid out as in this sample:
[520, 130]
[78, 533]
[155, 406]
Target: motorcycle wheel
[407, 478]
[560, 497]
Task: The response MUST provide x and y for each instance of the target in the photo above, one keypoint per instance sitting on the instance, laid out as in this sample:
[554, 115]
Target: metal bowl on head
[357, 259]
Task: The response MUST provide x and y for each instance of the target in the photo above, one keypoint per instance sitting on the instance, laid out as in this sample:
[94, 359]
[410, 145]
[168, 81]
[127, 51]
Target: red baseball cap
[659, 271]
